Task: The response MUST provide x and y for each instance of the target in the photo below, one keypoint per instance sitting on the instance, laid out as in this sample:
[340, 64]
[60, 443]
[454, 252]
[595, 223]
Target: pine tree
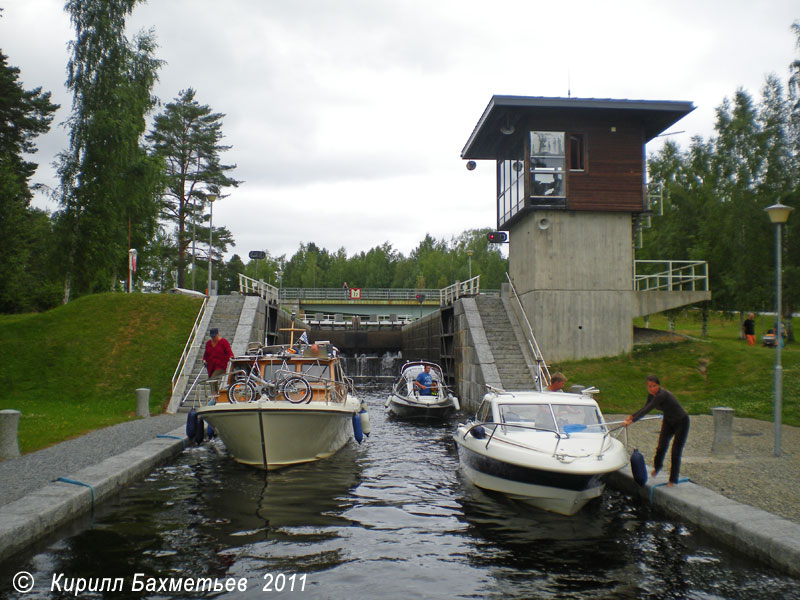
[186, 137]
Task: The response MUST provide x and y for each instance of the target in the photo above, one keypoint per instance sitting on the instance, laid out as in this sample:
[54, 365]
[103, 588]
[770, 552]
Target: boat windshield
[570, 418]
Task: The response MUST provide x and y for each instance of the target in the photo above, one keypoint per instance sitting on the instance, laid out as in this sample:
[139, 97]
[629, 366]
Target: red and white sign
[355, 293]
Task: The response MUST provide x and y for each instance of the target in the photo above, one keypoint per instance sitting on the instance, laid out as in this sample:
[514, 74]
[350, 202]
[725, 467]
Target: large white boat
[549, 449]
[408, 400]
[285, 405]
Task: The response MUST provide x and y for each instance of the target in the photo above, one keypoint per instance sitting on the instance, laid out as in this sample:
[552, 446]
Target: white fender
[364, 414]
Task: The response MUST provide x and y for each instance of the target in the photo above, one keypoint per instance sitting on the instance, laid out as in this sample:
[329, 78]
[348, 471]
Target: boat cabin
[267, 368]
[554, 412]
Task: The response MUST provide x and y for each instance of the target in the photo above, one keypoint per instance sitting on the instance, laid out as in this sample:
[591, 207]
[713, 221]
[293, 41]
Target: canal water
[391, 518]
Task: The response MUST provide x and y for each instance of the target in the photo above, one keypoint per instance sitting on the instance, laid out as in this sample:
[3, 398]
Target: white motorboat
[285, 405]
[408, 400]
[549, 449]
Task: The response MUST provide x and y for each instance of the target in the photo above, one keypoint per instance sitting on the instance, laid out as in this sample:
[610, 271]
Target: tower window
[576, 152]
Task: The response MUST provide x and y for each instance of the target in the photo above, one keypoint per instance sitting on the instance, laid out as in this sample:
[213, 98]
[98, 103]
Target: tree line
[715, 192]
[125, 186]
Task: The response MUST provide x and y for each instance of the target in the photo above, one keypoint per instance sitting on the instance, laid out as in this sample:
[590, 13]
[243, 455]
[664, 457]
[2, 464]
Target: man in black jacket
[675, 423]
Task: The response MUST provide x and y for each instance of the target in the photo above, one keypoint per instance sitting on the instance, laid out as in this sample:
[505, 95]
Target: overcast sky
[347, 118]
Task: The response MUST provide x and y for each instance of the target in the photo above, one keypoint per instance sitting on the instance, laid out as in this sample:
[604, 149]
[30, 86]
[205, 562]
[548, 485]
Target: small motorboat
[409, 401]
[285, 405]
[549, 449]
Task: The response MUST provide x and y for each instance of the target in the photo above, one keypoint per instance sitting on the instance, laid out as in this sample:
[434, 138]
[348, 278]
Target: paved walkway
[752, 476]
[35, 470]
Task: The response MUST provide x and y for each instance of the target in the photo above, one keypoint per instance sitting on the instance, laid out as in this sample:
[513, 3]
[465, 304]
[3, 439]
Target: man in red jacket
[218, 353]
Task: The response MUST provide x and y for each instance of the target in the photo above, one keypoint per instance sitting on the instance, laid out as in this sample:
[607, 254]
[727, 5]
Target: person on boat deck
[557, 381]
[218, 353]
[675, 423]
[424, 382]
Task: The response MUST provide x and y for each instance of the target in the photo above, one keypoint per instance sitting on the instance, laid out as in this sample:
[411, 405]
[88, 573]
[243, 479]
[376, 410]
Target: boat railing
[559, 436]
[533, 345]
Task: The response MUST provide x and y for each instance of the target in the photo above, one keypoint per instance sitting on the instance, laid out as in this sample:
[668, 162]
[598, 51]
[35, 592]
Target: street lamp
[469, 259]
[279, 275]
[778, 214]
[210, 198]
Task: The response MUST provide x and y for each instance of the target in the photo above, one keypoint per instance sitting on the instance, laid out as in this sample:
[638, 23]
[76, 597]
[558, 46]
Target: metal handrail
[248, 285]
[541, 365]
[470, 287]
[678, 275]
[178, 373]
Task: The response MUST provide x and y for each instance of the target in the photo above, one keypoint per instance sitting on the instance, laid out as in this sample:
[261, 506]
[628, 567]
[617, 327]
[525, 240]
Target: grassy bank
[703, 372]
[76, 368]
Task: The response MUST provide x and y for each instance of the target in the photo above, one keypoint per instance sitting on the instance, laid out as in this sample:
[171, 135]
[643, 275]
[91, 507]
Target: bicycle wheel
[242, 391]
[296, 390]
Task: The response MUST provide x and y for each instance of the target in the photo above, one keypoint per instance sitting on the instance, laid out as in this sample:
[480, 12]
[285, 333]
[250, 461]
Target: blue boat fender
[358, 433]
[191, 424]
[200, 432]
[210, 433]
[638, 467]
[364, 416]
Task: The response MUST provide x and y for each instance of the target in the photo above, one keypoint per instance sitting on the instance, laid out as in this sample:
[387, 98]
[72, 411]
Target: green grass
[76, 368]
[719, 370]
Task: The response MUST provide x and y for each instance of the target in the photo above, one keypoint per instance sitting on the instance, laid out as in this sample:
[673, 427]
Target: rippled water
[391, 518]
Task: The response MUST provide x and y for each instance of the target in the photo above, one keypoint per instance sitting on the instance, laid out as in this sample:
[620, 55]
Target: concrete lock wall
[573, 272]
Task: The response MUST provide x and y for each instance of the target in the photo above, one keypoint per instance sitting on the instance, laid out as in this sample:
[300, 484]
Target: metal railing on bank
[533, 345]
[670, 275]
[181, 368]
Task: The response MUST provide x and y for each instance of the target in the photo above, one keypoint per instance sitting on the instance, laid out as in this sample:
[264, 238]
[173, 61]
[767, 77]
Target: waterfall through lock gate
[373, 366]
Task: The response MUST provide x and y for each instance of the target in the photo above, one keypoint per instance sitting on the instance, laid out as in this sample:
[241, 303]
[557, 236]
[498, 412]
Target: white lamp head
[779, 213]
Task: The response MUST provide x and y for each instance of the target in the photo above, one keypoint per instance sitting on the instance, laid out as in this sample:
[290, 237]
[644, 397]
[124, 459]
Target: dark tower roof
[493, 133]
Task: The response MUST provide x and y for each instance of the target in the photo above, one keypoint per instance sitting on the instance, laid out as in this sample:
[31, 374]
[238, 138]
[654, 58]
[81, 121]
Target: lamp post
[469, 260]
[279, 275]
[210, 198]
[778, 214]
[194, 220]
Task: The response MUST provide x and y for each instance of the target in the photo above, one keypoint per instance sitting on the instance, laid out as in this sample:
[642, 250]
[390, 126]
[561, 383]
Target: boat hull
[538, 481]
[273, 435]
[422, 408]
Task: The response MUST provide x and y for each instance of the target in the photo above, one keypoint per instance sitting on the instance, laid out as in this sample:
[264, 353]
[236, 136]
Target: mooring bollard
[723, 431]
[9, 424]
[143, 402]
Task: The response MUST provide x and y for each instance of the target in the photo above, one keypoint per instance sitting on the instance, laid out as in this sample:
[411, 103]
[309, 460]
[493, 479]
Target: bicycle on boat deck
[249, 385]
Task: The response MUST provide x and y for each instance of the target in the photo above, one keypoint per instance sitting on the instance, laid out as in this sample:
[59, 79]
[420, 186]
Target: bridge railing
[346, 294]
[444, 296]
[670, 275]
